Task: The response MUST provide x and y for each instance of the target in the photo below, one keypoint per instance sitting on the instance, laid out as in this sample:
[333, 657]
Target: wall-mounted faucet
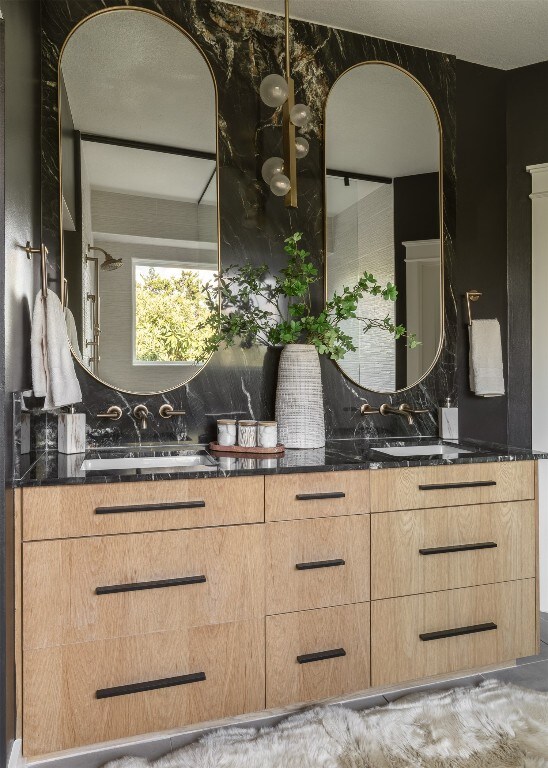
[404, 409]
[142, 413]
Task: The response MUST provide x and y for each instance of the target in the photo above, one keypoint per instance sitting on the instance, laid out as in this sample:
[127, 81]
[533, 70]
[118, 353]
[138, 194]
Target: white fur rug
[492, 726]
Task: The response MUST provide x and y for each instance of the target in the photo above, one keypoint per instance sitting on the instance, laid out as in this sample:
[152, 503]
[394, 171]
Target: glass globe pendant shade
[273, 90]
[301, 147]
[271, 167]
[280, 185]
[300, 115]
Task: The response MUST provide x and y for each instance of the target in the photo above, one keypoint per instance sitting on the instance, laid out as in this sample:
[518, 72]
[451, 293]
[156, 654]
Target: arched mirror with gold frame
[138, 152]
[384, 215]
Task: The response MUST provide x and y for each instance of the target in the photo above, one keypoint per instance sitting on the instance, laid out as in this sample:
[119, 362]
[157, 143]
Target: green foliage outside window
[171, 317]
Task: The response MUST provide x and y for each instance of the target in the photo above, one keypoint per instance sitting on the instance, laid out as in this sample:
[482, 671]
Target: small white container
[448, 421]
[247, 434]
[71, 432]
[226, 432]
[267, 434]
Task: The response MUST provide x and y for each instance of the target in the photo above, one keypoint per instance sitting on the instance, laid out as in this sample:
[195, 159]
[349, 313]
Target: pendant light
[280, 173]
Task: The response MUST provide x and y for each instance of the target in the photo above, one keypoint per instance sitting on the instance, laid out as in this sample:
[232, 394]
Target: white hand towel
[72, 332]
[486, 371]
[53, 375]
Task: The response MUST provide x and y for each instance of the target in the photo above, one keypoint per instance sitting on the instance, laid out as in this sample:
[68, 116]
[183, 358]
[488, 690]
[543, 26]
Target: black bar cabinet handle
[150, 507]
[457, 548]
[458, 631]
[319, 564]
[149, 685]
[306, 658]
[138, 585]
[446, 486]
[312, 496]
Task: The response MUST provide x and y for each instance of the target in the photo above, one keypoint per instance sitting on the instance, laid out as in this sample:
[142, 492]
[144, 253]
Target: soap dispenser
[71, 431]
[448, 421]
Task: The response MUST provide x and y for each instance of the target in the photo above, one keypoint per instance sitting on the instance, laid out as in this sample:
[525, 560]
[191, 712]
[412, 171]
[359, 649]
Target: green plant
[257, 306]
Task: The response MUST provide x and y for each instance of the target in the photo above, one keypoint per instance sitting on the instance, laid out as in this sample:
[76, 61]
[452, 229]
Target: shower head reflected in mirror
[110, 262]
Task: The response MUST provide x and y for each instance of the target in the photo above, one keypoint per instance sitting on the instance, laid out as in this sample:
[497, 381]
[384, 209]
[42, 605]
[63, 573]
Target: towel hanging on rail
[486, 368]
[53, 374]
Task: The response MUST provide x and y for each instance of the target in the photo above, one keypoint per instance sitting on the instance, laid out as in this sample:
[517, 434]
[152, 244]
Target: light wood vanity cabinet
[150, 606]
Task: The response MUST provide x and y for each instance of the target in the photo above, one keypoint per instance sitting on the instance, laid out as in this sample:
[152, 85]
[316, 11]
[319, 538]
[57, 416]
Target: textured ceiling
[497, 33]
[131, 75]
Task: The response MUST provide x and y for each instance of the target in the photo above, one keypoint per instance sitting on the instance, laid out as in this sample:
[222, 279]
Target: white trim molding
[539, 311]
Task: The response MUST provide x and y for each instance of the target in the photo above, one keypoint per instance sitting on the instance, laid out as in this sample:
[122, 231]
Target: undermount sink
[195, 462]
[423, 450]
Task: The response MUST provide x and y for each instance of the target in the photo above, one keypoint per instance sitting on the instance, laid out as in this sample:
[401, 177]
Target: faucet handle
[366, 409]
[406, 408]
[114, 413]
[166, 411]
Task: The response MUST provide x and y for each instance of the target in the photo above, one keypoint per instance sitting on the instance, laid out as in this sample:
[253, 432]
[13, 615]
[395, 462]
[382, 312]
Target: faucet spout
[404, 409]
[142, 413]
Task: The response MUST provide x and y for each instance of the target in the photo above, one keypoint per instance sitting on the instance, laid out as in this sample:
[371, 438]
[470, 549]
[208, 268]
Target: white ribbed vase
[299, 398]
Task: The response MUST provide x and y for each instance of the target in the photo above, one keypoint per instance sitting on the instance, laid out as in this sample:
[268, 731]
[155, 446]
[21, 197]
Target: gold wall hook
[43, 251]
[471, 296]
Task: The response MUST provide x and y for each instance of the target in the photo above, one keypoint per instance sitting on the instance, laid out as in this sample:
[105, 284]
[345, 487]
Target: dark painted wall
[22, 223]
[481, 232]
[527, 131]
[7, 732]
[416, 217]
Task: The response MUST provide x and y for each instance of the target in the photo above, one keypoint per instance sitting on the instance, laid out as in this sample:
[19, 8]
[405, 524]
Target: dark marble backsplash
[243, 46]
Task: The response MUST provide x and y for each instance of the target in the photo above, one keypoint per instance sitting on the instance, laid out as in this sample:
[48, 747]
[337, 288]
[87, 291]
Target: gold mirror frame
[442, 249]
[118, 9]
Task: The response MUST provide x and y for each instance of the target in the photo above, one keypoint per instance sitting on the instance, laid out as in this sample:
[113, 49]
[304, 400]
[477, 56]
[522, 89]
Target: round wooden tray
[242, 450]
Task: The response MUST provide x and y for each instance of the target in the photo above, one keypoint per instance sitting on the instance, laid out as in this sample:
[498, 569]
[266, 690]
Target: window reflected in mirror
[139, 198]
[383, 216]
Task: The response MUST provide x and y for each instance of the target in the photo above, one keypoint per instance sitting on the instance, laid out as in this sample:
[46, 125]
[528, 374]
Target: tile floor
[530, 672]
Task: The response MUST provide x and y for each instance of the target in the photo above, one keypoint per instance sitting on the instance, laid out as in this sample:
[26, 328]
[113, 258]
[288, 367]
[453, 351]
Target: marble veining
[242, 46]
[51, 468]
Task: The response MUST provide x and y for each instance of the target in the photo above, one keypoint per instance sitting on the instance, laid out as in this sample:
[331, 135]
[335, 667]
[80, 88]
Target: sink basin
[194, 462]
[424, 450]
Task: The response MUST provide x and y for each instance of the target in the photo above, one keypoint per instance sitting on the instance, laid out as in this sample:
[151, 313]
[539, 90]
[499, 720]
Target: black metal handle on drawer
[306, 658]
[137, 586]
[149, 685]
[447, 486]
[457, 548]
[458, 631]
[312, 496]
[319, 564]
[150, 507]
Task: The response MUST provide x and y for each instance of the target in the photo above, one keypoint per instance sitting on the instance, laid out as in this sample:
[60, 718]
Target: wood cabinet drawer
[434, 549]
[316, 654]
[317, 563]
[218, 671]
[316, 494]
[91, 510]
[456, 485]
[444, 632]
[78, 590]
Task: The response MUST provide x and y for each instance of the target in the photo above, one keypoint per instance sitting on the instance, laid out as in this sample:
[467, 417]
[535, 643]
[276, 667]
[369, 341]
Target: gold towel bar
[471, 296]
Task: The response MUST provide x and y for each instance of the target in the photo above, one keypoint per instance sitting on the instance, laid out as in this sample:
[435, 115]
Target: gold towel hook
[43, 251]
[471, 296]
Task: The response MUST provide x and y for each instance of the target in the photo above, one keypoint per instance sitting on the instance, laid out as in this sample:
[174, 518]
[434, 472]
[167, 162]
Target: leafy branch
[257, 306]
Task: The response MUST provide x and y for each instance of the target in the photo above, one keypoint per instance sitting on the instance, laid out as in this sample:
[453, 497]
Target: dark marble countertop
[52, 468]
